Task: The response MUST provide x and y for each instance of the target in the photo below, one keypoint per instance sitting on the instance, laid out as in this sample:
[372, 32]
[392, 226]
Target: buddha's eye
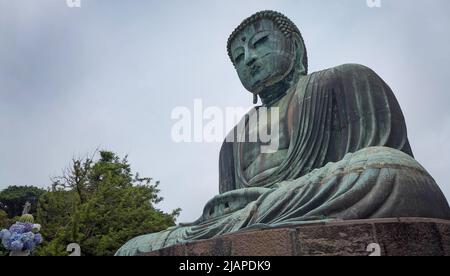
[239, 58]
[261, 41]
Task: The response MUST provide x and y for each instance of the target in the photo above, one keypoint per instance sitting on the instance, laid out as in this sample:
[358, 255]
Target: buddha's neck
[276, 92]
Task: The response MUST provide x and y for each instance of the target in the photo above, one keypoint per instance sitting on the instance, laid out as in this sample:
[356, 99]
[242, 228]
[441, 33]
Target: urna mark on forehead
[249, 31]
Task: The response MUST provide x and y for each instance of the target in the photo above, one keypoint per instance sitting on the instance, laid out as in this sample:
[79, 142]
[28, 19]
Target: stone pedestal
[385, 237]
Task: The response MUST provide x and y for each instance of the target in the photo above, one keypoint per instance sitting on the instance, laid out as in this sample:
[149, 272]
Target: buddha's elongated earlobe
[255, 99]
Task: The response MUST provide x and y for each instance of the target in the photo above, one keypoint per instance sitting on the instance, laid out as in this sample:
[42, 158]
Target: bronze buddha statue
[343, 151]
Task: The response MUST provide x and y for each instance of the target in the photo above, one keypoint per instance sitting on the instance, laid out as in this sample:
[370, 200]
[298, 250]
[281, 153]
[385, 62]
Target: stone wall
[403, 236]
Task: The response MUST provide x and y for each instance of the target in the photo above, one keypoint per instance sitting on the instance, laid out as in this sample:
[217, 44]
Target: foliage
[4, 220]
[13, 198]
[99, 205]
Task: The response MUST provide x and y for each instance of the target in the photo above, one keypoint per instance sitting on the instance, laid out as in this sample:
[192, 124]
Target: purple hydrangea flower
[21, 227]
[29, 245]
[5, 234]
[16, 246]
[20, 237]
[15, 237]
[6, 243]
[38, 238]
[27, 226]
[28, 236]
[17, 228]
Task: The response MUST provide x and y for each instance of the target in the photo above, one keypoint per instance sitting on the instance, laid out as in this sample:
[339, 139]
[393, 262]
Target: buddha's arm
[366, 112]
[226, 168]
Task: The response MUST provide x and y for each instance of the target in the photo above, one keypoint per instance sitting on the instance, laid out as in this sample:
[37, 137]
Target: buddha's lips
[255, 70]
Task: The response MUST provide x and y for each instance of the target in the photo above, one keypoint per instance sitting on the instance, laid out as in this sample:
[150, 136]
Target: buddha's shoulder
[342, 71]
[350, 67]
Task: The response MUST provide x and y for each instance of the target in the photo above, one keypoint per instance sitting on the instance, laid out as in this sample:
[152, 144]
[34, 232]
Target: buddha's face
[262, 54]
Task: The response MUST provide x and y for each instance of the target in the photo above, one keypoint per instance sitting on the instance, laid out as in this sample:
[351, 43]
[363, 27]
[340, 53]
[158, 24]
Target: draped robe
[348, 158]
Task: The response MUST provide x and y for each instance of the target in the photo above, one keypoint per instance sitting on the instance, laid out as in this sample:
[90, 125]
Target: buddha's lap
[376, 170]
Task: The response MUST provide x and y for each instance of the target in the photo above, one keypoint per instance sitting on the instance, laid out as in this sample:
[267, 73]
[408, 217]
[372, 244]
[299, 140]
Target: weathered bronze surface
[343, 149]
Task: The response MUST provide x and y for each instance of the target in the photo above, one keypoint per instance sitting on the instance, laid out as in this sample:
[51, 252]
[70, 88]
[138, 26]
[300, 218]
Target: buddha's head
[267, 49]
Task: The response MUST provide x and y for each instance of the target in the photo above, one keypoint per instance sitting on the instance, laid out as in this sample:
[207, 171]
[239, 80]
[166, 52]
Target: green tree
[13, 198]
[99, 205]
[4, 221]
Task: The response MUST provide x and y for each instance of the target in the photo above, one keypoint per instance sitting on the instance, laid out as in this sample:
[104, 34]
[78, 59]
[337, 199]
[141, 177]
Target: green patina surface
[343, 148]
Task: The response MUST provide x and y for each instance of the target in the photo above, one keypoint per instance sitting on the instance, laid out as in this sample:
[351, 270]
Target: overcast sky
[108, 75]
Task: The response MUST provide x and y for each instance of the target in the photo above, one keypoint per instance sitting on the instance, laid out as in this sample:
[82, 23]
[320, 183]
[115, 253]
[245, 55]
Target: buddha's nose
[250, 60]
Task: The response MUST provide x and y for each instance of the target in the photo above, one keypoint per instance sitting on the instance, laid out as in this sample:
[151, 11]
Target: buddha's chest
[268, 139]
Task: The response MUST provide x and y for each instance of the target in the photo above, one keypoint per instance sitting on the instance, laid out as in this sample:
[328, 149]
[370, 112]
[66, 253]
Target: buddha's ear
[300, 54]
